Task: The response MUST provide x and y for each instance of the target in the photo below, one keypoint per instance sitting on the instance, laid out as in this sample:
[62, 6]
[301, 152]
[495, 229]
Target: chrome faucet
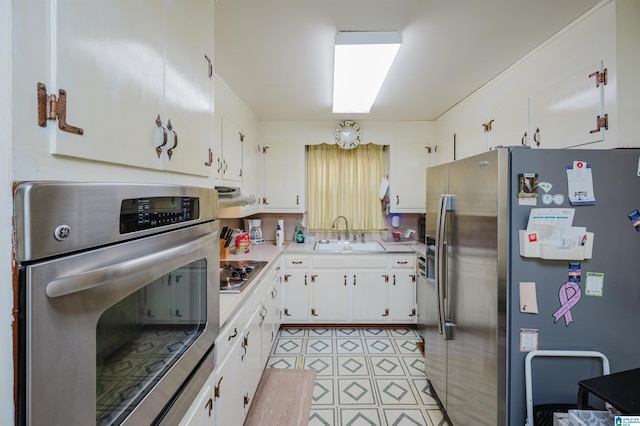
[346, 223]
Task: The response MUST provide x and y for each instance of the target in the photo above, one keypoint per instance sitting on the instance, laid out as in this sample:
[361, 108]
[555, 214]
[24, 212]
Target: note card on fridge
[528, 299]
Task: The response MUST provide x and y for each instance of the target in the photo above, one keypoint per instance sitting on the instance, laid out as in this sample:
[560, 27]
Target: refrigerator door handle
[440, 263]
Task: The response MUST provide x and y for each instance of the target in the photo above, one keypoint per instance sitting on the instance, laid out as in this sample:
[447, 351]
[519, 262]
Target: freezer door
[435, 346]
[474, 300]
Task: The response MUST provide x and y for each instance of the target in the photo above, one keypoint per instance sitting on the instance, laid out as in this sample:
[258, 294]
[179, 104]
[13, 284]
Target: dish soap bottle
[299, 232]
[279, 236]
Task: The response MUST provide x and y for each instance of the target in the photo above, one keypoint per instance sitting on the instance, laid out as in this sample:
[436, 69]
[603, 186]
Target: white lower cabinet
[202, 412]
[402, 291]
[252, 343]
[271, 314]
[240, 352]
[350, 288]
[369, 295]
[229, 387]
[329, 294]
[296, 287]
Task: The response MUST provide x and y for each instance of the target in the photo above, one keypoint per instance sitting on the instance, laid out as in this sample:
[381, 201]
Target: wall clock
[347, 134]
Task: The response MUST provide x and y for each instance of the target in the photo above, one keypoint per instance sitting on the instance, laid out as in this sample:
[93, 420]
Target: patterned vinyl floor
[364, 376]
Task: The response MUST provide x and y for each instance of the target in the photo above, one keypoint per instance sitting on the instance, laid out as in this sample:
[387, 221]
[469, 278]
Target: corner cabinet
[137, 80]
[284, 178]
[407, 180]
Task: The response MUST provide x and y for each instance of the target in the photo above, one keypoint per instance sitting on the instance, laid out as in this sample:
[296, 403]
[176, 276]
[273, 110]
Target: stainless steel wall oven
[119, 300]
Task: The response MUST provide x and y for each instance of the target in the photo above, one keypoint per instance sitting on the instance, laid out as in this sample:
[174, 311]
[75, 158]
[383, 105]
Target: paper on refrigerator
[553, 226]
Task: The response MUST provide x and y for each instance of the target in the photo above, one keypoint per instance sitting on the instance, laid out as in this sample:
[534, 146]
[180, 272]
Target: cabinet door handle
[313, 312]
[209, 406]
[235, 333]
[394, 279]
[313, 278]
[386, 313]
[536, 136]
[523, 141]
[386, 278]
[297, 200]
[175, 139]
[164, 136]
[345, 280]
[216, 391]
[397, 200]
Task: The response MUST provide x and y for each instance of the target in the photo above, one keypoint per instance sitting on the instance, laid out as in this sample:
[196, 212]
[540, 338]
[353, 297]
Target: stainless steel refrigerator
[473, 323]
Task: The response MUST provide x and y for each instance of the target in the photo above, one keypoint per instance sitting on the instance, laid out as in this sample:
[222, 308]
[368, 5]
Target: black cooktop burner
[236, 275]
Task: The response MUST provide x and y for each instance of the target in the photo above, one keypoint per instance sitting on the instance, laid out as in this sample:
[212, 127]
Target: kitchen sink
[348, 246]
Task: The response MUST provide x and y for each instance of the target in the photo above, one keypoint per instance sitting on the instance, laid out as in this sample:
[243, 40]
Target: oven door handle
[130, 269]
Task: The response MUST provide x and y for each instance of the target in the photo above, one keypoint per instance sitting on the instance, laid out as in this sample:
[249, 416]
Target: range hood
[231, 197]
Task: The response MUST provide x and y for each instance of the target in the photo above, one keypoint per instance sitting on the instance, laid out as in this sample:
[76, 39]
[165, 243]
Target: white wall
[6, 293]
[378, 132]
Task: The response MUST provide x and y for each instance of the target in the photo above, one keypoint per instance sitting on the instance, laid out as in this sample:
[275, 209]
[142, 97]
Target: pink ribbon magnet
[569, 295]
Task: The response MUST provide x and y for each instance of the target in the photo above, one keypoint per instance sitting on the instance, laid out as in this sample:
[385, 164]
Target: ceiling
[277, 55]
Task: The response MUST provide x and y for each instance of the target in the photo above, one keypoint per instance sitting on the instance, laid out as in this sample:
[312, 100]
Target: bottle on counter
[281, 225]
[279, 236]
[298, 233]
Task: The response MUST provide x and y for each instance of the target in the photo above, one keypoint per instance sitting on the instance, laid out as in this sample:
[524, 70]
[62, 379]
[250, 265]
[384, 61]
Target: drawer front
[403, 261]
[350, 261]
[297, 261]
[230, 334]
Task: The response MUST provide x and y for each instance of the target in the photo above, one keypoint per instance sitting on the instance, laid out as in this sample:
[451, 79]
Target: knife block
[224, 251]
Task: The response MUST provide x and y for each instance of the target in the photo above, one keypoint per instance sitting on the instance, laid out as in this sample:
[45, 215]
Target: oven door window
[142, 336]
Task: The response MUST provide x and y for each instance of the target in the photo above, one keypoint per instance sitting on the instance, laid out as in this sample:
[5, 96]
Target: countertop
[230, 304]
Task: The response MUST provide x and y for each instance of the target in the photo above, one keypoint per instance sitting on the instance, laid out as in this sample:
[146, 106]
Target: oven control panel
[146, 213]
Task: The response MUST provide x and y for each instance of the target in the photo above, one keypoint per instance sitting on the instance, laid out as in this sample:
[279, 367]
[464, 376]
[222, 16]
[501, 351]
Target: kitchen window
[345, 182]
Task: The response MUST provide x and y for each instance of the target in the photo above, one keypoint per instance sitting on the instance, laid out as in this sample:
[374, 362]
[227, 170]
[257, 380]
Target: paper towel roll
[384, 185]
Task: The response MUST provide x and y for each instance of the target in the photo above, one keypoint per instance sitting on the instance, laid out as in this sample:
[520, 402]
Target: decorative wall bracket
[51, 107]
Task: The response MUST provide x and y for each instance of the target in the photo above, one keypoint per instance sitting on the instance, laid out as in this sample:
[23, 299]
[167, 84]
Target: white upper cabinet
[570, 111]
[230, 160]
[284, 178]
[407, 189]
[564, 94]
[127, 70]
[188, 99]
[251, 169]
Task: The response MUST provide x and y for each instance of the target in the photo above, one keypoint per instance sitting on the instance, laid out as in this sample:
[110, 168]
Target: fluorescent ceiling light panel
[361, 62]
